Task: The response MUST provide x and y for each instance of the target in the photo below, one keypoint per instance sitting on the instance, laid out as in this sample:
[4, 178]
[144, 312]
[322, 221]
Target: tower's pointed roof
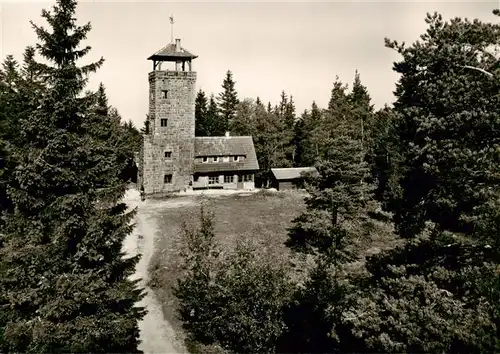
[169, 53]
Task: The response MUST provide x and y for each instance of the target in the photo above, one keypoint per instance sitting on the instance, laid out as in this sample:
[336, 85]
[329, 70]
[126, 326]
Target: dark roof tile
[225, 146]
[168, 53]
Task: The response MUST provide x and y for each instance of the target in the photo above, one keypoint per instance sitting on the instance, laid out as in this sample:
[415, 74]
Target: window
[213, 179]
[225, 159]
[164, 93]
[228, 179]
[196, 178]
[216, 158]
[246, 178]
[205, 159]
[168, 154]
[167, 179]
[235, 158]
[163, 122]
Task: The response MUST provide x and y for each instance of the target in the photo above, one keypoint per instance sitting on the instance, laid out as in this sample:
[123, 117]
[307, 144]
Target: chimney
[177, 45]
[227, 134]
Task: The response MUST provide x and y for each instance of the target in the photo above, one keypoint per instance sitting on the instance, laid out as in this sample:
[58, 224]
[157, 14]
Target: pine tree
[289, 114]
[441, 289]
[336, 196]
[200, 114]
[216, 126]
[227, 101]
[448, 123]
[269, 107]
[306, 141]
[359, 100]
[63, 282]
[244, 122]
[384, 158]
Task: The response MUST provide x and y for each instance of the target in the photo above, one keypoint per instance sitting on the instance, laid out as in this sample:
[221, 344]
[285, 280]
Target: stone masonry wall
[177, 137]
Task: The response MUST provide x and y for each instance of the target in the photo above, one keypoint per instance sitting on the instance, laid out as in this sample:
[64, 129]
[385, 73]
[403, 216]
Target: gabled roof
[225, 146]
[168, 53]
[291, 173]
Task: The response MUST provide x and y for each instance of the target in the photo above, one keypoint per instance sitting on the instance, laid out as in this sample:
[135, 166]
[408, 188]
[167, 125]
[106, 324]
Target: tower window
[164, 93]
[167, 179]
[163, 122]
[168, 154]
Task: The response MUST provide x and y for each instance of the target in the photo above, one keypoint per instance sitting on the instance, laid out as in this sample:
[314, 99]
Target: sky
[298, 47]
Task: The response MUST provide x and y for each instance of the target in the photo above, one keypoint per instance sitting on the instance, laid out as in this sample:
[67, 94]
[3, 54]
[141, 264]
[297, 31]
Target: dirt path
[157, 335]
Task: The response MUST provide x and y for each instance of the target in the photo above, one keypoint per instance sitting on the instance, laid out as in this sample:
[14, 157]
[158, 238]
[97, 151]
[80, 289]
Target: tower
[167, 156]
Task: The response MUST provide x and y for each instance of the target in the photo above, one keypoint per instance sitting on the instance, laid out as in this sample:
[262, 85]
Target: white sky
[298, 47]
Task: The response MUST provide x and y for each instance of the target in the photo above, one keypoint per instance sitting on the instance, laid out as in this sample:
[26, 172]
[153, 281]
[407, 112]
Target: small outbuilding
[289, 178]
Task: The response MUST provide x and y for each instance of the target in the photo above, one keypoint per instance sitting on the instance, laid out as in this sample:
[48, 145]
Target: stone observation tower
[172, 159]
[167, 157]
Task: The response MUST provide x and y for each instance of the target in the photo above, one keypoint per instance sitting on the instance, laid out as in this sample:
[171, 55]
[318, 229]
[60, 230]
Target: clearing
[263, 218]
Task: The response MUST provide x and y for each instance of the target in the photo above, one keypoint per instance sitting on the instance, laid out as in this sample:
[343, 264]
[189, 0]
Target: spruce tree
[63, 282]
[200, 114]
[215, 125]
[227, 102]
[289, 114]
[359, 99]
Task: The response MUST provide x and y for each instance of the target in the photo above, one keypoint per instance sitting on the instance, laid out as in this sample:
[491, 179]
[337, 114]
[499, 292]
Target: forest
[429, 163]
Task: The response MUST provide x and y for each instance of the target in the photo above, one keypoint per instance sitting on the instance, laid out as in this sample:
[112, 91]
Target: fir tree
[289, 114]
[63, 282]
[359, 100]
[227, 101]
[200, 114]
[214, 123]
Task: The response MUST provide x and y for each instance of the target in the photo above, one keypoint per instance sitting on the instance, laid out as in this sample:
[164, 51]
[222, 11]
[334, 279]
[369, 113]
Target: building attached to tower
[172, 158]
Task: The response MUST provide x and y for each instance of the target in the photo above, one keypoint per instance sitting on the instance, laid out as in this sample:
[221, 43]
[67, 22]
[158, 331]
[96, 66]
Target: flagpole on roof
[172, 29]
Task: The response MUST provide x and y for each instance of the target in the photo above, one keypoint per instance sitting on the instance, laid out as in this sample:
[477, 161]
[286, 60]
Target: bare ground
[156, 334]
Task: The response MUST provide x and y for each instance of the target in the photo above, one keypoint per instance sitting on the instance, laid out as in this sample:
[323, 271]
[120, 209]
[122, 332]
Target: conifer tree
[441, 289]
[448, 123]
[336, 194]
[234, 301]
[216, 126]
[227, 102]
[360, 101]
[63, 282]
[305, 142]
[200, 114]
[244, 122]
[289, 114]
